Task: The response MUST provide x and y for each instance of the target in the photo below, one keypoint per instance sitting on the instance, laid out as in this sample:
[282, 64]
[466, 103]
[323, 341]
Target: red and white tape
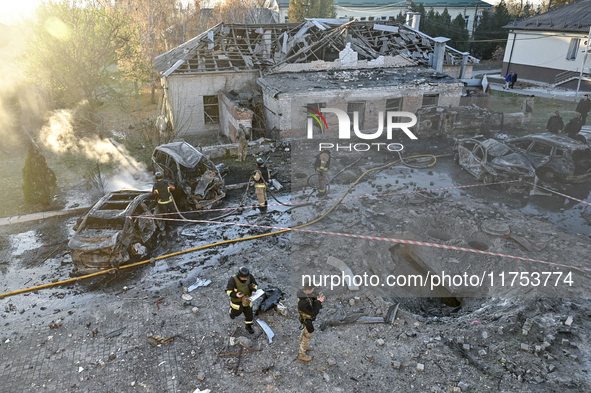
[386, 239]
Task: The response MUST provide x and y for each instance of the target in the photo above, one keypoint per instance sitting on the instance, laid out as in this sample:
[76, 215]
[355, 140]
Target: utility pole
[584, 61]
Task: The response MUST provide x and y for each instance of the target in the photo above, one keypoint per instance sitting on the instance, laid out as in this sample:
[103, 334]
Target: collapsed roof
[240, 47]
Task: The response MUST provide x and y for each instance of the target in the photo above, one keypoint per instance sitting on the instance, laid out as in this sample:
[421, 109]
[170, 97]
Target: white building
[388, 10]
[551, 47]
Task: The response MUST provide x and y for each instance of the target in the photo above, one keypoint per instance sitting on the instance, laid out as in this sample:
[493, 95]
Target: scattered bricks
[484, 335]
[565, 342]
[357, 299]
[466, 347]
[420, 367]
[460, 340]
[568, 321]
[243, 342]
[431, 345]
[482, 353]
[551, 368]
[101, 364]
[525, 347]
[112, 356]
[195, 310]
[276, 374]
[574, 345]
[539, 379]
[500, 330]
[464, 386]
[538, 348]
[456, 389]
[351, 302]
[331, 361]
[396, 365]
[201, 377]
[380, 342]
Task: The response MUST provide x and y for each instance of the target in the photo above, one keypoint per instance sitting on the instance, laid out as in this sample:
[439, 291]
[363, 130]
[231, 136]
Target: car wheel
[488, 178]
[547, 174]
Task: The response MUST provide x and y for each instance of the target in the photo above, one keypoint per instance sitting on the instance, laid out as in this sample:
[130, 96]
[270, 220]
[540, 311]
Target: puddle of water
[26, 241]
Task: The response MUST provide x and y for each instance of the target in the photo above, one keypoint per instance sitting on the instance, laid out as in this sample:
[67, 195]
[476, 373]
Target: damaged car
[118, 227]
[490, 160]
[555, 157]
[196, 179]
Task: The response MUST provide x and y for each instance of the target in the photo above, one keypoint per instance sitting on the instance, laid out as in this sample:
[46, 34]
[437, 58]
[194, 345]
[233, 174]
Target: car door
[539, 154]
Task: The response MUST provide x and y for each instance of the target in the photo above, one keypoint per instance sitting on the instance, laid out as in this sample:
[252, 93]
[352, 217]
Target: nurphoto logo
[393, 122]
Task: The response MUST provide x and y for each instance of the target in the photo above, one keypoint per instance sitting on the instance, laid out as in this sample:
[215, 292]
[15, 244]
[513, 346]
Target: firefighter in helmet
[241, 286]
[261, 178]
[163, 191]
[322, 165]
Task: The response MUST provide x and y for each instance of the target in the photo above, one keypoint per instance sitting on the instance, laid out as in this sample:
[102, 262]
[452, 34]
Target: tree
[242, 11]
[300, 9]
[489, 34]
[75, 50]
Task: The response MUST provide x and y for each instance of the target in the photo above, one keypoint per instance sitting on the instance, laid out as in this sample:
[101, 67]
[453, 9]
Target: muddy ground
[509, 339]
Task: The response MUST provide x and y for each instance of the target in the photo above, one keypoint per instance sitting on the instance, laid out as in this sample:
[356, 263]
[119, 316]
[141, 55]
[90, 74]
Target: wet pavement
[77, 357]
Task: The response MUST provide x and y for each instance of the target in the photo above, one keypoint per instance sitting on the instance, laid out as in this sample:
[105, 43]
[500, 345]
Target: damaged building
[260, 76]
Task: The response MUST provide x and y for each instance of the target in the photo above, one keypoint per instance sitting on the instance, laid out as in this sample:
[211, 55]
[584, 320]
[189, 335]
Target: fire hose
[153, 260]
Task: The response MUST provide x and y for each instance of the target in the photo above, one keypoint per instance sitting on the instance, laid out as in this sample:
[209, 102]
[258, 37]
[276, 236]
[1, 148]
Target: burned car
[490, 160]
[119, 226]
[555, 157]
[196, 179]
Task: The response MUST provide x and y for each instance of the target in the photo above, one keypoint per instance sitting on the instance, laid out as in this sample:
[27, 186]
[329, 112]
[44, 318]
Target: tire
[488, 178]
[547, 174]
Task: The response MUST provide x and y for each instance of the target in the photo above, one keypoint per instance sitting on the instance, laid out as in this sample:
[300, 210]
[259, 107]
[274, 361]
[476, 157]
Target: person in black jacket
[555, 123]
[513, 80]
[584, 107]
[573, 127]
[309, 306]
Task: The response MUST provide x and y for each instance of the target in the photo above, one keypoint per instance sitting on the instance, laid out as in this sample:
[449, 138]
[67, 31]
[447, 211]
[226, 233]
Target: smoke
[59, 136]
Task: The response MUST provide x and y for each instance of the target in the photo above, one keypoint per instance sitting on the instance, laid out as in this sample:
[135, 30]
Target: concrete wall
[232, 115]
[285, 111]
[184, 96]
[541, 56]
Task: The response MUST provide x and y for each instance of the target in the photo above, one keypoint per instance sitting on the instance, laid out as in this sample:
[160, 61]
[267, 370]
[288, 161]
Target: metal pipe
[584, 61]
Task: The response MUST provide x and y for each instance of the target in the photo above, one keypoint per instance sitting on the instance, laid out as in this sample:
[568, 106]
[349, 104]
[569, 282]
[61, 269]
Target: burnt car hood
[94, 239]
[182, 152]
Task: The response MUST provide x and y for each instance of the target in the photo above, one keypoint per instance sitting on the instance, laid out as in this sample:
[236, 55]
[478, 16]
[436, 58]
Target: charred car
[555, 157]
[118, 227]
[490, 160]
[196, 179]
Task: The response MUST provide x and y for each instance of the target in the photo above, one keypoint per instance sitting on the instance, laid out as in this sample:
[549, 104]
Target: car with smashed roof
[196, 179]
[490, 160]
[555, 157]
[119, 227]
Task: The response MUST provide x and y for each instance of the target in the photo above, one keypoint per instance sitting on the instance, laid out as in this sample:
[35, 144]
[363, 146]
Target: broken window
[430, 99]
[558, 153]
[540, 148]
[394, 105]
[362, 18]
[315, 125]
[211, 109]
[573, 48]
[358, 107]
[371, 18]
